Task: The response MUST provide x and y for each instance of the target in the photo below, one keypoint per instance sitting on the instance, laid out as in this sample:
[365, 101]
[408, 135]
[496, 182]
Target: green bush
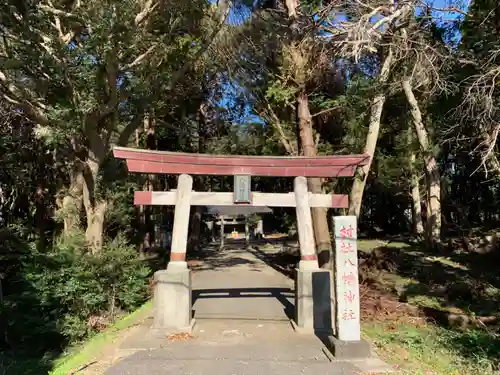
[67, 294]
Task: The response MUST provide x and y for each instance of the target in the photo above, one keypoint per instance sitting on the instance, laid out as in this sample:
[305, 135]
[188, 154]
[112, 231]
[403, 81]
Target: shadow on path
[283, 262]
[281, 294]
[220, 263]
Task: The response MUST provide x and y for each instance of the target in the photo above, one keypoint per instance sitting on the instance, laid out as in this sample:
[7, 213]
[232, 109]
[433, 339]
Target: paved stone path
[242, 309]
[235, 284]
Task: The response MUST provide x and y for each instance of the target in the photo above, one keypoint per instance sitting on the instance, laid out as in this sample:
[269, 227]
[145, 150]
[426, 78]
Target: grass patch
[91, 349]
[428, 349]
[367, 245]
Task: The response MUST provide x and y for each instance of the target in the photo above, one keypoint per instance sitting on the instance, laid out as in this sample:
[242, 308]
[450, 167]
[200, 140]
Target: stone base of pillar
[349, 349]
[314, 301]
[172, 301]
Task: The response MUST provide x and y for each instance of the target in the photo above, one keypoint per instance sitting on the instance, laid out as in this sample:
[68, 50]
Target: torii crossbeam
[164, 162]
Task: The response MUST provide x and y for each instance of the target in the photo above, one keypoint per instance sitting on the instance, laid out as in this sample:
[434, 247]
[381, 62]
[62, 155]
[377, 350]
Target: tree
[86, 72]
[479, 70]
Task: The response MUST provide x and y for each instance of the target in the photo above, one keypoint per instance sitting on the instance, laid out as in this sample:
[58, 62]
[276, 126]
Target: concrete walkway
[235, 284]
[242, 309]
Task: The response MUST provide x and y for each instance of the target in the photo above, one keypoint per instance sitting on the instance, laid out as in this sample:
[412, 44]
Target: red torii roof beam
[164, 162]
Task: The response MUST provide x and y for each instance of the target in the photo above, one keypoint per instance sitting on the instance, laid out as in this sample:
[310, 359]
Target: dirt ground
[400, 285]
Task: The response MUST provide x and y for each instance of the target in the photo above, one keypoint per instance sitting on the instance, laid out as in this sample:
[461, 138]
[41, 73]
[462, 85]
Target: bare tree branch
[59, 12]
[18, 96]
[276, 123]
[138, 60]
[148, 9]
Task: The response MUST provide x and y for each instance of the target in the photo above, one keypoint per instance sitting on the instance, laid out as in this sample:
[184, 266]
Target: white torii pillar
[172, 292]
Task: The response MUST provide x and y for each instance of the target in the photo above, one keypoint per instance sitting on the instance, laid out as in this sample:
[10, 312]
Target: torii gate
[315, 308]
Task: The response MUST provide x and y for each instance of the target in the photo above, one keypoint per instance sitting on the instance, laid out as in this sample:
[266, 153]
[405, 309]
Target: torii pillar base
[172, 301]
[314, 303]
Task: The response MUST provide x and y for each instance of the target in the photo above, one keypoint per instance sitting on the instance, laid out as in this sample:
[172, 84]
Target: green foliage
[68, 293]
[281, 93]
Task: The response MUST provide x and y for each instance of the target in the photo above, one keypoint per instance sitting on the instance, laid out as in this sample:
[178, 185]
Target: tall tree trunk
[196, 222]
[377, 105]
[417, 224]
[433, 176]
[142, 208]
[71, 204]
[319, 217]
[320, 221]
[222, 231]
[41, 216]
[95, 208]
[148, 227]
[195, 232]
[95, 224]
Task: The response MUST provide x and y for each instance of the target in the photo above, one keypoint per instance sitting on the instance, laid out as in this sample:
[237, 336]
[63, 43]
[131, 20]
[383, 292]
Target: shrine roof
[238, 210]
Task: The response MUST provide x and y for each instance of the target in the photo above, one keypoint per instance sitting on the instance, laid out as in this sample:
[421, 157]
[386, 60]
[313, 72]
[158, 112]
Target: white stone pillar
[346, 279]
[181, 222]
[313, 294]
[172, 291]
[247, 231]
[308, 258]
[211, 227]
[259, 231]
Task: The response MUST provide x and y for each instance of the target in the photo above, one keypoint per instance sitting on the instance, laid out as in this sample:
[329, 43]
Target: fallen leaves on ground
[383, 306]
[179, 337]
